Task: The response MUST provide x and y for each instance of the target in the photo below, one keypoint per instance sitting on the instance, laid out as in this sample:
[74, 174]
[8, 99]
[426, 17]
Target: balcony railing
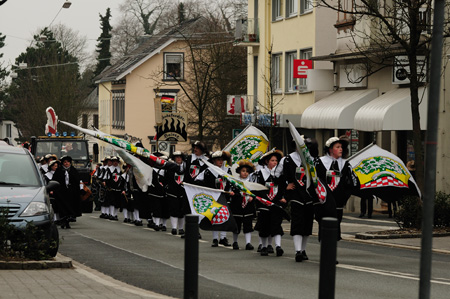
[247, 32]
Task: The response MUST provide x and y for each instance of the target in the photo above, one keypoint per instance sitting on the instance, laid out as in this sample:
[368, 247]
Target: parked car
[24, 196]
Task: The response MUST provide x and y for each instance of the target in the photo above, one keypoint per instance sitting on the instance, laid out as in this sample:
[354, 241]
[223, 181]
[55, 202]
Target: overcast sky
[20, 19]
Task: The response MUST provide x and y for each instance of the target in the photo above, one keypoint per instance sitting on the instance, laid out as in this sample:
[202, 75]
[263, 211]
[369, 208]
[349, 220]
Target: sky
[20, 19]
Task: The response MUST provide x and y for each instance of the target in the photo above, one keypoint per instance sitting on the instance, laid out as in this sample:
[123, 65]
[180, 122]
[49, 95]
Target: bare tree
[395, 27]
[146, 12]
[126, 36]
[71, 41]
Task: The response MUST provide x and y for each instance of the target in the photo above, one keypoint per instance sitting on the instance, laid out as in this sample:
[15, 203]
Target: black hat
[226, 156]
[245, 164]
[115, 158]
[343, 140]
[53, 162]
[274, 152]
[177, 154]
[68, 158]
[200, 145]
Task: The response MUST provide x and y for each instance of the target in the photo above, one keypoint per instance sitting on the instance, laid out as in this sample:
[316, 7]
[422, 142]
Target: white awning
[337, 111]
[391, 112]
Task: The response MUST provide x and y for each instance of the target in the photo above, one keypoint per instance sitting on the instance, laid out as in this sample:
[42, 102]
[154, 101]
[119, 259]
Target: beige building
[276, 33]
[127, 89]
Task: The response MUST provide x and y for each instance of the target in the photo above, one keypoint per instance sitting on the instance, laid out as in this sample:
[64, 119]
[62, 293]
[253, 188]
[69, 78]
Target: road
[155, 260]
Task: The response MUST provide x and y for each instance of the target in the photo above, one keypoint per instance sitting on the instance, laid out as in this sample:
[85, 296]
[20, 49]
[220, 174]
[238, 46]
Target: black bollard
[328, 249]
[191, 258]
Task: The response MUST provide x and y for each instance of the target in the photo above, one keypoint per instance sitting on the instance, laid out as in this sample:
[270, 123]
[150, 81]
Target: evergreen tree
[104, 43]
[2, 44]
[181, 13]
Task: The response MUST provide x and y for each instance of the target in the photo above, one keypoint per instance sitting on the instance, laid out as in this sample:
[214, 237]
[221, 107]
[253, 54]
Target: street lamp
[67, 4]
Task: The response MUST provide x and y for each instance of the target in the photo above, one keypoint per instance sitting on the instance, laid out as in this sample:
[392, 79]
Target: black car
[24, 196]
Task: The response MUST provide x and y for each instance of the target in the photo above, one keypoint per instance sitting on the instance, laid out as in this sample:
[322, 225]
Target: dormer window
[173, 66]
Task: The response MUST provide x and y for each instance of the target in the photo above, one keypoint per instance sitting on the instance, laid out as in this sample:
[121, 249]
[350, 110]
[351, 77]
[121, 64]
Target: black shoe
[299, 256]
[305, 257]
[102, 215]
[249, 247]
[259, 248]
[114, 218]
[270, 249]
[280, 251]
[181, 231]
[138, 223]
[163, 228]
[126, 220]
[156, 228]
[361, 215]
[235, 246]
[337, 263]
[199, 236]
[151, 224]
[264, 251]
[224, 242]
[174, 231]
[215, 243]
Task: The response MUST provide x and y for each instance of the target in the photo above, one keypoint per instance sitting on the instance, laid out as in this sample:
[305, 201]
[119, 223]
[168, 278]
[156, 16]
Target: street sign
[301, 66]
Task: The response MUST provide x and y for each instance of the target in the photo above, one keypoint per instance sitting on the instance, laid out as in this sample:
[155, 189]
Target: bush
[31, 243]
[409, 214]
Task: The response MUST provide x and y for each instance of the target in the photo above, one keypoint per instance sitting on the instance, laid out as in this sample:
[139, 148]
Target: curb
[369, 236]
[58, 262]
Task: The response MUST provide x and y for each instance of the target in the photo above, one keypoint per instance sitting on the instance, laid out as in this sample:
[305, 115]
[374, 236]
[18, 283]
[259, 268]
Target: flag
[52, 121]
[250, 145]
[382, 174]
[308, 163]
[142, 172]
[211, 207]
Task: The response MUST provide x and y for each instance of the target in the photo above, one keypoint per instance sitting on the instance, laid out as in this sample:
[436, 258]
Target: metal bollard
[328, 249]
[191, 258]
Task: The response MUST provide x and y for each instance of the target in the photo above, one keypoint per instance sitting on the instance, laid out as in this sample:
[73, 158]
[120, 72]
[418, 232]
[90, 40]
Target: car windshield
[76, 149]
[17, 170]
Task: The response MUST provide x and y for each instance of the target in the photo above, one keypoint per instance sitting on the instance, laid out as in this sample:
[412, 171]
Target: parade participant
[95, 186]
[126, 200]
[333, 169]
[176, 197]
[194, 163]
[68, 194]
[43, 165]
[270, 218]
[211, 179]
[243, 207]
[53, 165]
[103, 196]
[300, 199]
[116, 187]
[139, 198]
[157, 194]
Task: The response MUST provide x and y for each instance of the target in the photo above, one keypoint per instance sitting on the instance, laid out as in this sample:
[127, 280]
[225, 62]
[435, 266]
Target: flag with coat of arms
[382, 174]
[211, 207]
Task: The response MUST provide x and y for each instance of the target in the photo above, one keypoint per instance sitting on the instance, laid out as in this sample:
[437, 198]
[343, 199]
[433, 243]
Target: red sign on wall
[301, 66]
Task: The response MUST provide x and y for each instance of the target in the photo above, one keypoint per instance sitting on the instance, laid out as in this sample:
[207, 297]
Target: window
[346, 9]
[8, 130]
[306, 6]
[96, 120]
[118, 109]
[291, 8]
[84, 121]
[276, 10]
[304, 54]
[173, 66]
[276, 73]
[289, 71]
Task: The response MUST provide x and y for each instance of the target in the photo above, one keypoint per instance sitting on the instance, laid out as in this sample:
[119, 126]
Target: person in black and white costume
[103, 196]
[270, 218]
[243, 207]
[211, 179]
[157, 193]
[127, 203]
[301, 200]
[116, 187]
[337, 173]
[176, 196]
[194, 162]
[139, 198]
[53, 165]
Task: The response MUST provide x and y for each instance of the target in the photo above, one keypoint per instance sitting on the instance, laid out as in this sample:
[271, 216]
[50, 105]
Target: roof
[151, 46]
[92, 99]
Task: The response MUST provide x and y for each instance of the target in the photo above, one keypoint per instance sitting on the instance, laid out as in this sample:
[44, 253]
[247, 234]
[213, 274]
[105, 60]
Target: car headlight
[35, 208]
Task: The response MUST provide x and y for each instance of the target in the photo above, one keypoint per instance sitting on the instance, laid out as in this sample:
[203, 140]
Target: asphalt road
[155, 260]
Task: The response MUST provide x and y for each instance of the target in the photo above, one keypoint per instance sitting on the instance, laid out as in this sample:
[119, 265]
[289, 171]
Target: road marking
[390, 273]
[369, 220]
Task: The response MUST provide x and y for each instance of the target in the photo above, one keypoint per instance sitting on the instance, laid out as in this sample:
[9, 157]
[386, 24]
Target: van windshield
[74, 148]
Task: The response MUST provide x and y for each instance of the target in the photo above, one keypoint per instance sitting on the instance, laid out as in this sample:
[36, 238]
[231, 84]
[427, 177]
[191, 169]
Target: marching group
[115, 188]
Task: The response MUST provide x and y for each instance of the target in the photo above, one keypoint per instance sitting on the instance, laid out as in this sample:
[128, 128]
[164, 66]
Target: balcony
[247, 33]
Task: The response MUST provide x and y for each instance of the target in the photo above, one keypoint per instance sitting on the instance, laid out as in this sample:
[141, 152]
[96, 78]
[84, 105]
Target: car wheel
[54, 240]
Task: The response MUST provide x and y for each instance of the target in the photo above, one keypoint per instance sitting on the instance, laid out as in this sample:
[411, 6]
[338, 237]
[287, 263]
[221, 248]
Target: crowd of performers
[115, 189]
[65, 199]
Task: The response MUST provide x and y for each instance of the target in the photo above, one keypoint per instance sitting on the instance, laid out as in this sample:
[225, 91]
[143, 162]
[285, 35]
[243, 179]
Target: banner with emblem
[382, 174]
[250, 145]
[211, 207]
